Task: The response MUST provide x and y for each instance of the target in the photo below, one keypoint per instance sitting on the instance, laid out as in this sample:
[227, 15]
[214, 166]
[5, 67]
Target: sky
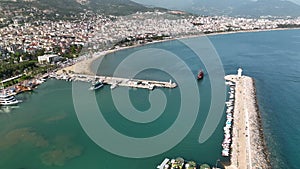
[296, 1]
[176, 3]
[166, 3]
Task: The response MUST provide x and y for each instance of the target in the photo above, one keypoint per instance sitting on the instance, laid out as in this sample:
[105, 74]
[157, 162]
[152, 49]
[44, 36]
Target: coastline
[248, 148]
[84, 66]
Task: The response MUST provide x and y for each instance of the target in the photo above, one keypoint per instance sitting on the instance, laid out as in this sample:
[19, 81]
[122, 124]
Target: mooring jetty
[117, 81]
[248, 148]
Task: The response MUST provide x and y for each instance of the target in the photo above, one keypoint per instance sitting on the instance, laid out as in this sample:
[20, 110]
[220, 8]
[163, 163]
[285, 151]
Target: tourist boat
[96, 85]
[200, 75]
[8, 100]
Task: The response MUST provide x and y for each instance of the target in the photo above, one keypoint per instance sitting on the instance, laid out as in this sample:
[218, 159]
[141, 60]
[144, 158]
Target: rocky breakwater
[248, 148]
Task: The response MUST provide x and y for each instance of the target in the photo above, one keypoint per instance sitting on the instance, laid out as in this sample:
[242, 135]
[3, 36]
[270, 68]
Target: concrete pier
[116, 81]
[248, 148]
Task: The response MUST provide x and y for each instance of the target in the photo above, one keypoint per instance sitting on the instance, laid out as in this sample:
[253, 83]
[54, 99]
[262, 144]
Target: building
[240, 70]
[47, 58]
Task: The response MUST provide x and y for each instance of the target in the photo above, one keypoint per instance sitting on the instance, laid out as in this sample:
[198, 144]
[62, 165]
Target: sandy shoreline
[248, 149]
[84, 66]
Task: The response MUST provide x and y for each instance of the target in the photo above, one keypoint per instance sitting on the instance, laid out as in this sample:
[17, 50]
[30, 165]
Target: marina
[229, 121]
[23, 86]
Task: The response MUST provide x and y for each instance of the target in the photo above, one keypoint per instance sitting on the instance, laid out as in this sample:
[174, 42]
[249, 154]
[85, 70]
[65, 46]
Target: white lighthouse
[240, 71]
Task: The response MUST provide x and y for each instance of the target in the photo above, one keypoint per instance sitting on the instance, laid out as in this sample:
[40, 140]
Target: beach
[84, 65]
[248, 149]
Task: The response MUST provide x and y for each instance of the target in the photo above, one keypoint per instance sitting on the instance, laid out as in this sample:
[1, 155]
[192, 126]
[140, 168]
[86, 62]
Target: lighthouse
[240, 70]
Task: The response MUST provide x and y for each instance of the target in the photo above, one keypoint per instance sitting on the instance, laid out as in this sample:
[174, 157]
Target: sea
[46, 131]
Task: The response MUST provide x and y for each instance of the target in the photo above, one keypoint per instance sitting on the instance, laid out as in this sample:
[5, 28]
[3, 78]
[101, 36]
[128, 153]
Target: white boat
[8, 100]
[96, 85]
[151, 86]
[7, 109]
[114, 85]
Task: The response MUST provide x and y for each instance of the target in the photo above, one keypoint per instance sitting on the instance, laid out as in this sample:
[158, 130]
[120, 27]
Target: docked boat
[8, 100]
[114, 85]
[200, 74]
[96, 85]
[151, 86]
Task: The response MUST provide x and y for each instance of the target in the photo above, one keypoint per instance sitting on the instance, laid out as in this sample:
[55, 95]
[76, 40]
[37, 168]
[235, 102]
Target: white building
[240, 71]
[47, 58]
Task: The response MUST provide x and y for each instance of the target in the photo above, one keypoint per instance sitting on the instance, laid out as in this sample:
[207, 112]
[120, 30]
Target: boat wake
[7, 109]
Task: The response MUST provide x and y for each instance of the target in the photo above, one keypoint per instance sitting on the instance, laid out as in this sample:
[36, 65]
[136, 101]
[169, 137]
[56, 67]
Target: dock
[118, 81]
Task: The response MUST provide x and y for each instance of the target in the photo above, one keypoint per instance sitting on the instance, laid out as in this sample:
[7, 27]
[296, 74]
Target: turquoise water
[44, 131]
[273, 59]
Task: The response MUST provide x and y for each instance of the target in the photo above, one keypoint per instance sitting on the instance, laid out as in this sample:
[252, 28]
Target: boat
[114, 85]
[8, 100]
[151, 86]
[96, 85]
[200, 74]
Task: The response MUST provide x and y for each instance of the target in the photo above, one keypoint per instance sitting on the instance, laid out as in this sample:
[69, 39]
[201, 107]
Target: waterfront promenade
[248, 147]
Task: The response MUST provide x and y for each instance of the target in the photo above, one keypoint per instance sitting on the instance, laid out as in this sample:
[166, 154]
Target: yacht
[8, 100]
[96, 85]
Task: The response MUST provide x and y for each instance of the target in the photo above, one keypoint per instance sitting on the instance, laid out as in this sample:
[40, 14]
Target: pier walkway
[117, 81]
[248, 148]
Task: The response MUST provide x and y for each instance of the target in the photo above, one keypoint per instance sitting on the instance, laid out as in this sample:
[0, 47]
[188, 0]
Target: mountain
[216, 7]
[252, 8]
[111, 7]
[73, 7]
[268, 7]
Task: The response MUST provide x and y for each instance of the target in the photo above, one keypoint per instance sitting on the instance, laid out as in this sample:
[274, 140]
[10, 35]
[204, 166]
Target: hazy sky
[166, 3]
[181, 3]
[296, 1]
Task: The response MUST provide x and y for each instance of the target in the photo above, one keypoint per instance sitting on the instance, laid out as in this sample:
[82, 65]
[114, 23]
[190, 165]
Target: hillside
[70, 8]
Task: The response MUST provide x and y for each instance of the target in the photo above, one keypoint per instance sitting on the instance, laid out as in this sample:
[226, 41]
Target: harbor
[245, 137]
[8, 93]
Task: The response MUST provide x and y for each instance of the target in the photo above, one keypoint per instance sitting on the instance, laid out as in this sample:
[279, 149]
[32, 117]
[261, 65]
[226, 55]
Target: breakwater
[248, 148]
[116, 81]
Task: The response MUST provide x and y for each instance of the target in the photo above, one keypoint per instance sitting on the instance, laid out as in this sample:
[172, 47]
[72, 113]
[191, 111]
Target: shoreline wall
[248, 148]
